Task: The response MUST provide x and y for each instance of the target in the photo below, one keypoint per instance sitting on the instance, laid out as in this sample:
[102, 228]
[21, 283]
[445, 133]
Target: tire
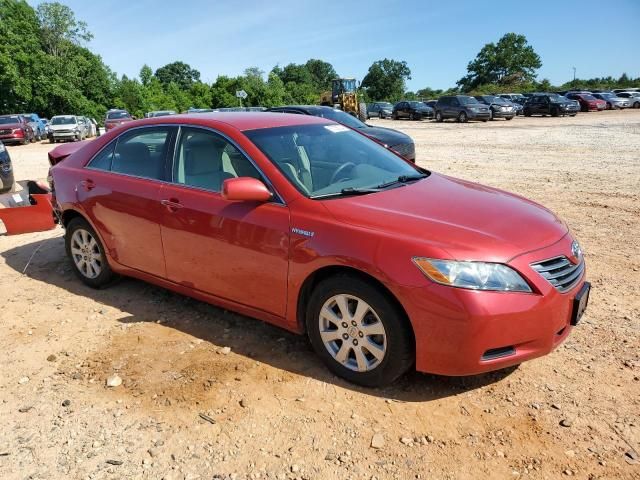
[415, 116]
[508, 118]
[439, 117]
[51, 140]
[79, 248]
[572, 115]
[362, 111]
[393, 341]
[527, 113]
[609, 106]
[394, 116]
[491, 115]
[555, 112]
[636, 105]
[462, 117]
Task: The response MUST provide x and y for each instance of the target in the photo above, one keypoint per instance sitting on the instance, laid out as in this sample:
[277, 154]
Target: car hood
[10, 126]
[66, 126]
[386, 136]
[466, 220]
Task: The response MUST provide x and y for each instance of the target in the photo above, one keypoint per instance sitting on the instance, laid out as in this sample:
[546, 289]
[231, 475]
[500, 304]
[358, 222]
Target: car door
[120, 193]
[453, 107]
[237, 251]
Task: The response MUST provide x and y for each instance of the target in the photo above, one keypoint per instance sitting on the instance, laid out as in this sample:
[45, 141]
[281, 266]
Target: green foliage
[385, 80]
[512, 60]
[178, 72]
[59, 28]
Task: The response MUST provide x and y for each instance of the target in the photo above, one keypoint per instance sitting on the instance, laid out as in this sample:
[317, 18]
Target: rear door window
[142, 152]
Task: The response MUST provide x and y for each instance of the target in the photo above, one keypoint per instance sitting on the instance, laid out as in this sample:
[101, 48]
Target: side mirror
[247, 189]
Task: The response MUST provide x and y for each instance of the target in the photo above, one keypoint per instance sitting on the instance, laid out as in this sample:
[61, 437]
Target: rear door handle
[172, 204]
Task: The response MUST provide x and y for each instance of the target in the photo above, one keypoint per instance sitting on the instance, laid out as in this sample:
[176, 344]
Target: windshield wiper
[348, 191]
[403, 179]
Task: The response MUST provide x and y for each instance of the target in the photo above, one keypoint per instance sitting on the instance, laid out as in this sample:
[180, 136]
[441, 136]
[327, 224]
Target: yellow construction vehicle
[344, 95]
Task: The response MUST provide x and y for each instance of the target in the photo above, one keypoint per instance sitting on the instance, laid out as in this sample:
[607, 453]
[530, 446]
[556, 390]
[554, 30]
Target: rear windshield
[117, 115]
[8, 120]
[63, 120]
[340, 117]
[588, 97]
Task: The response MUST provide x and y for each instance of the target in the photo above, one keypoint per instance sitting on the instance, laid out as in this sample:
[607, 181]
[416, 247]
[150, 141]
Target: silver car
[632, 97]
[613, 101]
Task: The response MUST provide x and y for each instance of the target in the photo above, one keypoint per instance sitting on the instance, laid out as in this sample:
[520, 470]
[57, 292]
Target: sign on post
[241, 94]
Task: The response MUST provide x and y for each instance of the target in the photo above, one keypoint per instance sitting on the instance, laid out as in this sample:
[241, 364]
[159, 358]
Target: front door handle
[172, 204]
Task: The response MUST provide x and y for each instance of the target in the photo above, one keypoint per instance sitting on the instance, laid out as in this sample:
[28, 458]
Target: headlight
[76, 131]
[472, 275]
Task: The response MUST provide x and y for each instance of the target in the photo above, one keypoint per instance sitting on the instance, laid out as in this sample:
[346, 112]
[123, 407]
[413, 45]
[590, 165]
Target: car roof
[239, 120]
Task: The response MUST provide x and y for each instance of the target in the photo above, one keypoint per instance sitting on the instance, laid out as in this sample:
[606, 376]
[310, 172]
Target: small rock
[566, 422]
[51, 358]
[631, 457]
[225, 350]
[295, 468]
[153, 452]
[114, 381]
[66, 403]
[244, 403]
[330, 456]
[406, 440]
[430, 438]
[23, 380]
[377, 441]
[114, 462]
[555, 406]
[25, 409]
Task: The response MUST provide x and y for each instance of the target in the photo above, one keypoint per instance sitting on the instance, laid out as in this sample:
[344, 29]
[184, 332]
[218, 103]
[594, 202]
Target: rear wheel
[508, 118]
[439, 117]
[462, 117]
[362, 111]
[86, 253]
[555, 112]
[358, 331]
[527, 113]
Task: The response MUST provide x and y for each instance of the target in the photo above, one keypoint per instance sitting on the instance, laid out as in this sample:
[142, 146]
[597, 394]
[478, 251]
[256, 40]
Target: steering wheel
[341, 169]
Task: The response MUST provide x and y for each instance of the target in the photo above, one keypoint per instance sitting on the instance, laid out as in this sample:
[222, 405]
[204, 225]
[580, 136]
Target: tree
[179, 73]
[511, 61]
[145, 74]
[59, 28]
[321, 73]
[385, 79]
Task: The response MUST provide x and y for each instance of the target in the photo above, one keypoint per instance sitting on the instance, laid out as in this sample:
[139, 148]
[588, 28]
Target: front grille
[405, 150]
[560, 272]
[62, 131]
[5, 132]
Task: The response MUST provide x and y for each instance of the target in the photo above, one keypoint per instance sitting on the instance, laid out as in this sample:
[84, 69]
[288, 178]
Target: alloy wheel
[352, 332]
[86, 253]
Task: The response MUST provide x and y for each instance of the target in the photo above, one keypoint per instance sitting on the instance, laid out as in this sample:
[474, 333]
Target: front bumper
[466, 332]
[10, 138]
[63, 135]
[504, 114]
[478, 115]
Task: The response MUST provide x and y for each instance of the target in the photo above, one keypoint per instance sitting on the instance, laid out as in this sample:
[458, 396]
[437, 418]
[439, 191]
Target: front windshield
[468, 100]
[417, 104]
[63, 120]
[8, 120]
[554, 97]
[340, 117]
[117, 115]
[321, 160]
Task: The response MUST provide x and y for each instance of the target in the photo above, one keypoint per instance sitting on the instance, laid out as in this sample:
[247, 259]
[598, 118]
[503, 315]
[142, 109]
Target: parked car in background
[613, 101]
[85, 125]
[588, 103]
[45, 122]
[96, 127]
[549, 104]
[633, 97]
[632, 89]
[6, 170]
[200, 110]
[36, 124]
[411, 109]
[518, 98]
[65, 128]
[159, 113]
[379, 109]
[498, 107]
[115, 118]
[315, 228]
[462, 108]
[431, 103]
[15, 129]
[396, 141]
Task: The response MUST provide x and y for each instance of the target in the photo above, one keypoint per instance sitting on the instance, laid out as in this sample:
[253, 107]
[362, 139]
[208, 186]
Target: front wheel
[86, 253]
[359, 332]
[462, 118]
[491, 114]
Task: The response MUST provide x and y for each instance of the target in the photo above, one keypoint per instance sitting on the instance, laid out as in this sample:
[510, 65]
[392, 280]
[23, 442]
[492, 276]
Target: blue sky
[437, 39]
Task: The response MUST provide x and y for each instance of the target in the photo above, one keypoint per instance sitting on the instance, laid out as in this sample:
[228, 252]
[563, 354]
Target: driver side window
[205, 160]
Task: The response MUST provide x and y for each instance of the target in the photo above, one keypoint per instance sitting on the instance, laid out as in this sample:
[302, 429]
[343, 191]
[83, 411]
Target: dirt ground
[265, 407]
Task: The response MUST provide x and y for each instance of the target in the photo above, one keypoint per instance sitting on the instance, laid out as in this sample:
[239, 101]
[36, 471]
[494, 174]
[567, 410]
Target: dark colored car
[308, 225]
[462, 108]
[431, 104]
[379, 109]
[517, 98]
[6, 170]
[395, 141]
[412, 110]
[115, 118]
[15, 129]
[588, 103]
[498, 107]
[549, 104]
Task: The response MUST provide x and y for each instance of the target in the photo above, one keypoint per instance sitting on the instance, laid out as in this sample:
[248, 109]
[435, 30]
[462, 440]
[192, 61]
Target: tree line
[45, 67]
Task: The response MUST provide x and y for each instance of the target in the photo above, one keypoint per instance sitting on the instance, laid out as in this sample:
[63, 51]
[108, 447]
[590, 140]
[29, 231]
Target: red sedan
[313, 227]
[588, 103]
